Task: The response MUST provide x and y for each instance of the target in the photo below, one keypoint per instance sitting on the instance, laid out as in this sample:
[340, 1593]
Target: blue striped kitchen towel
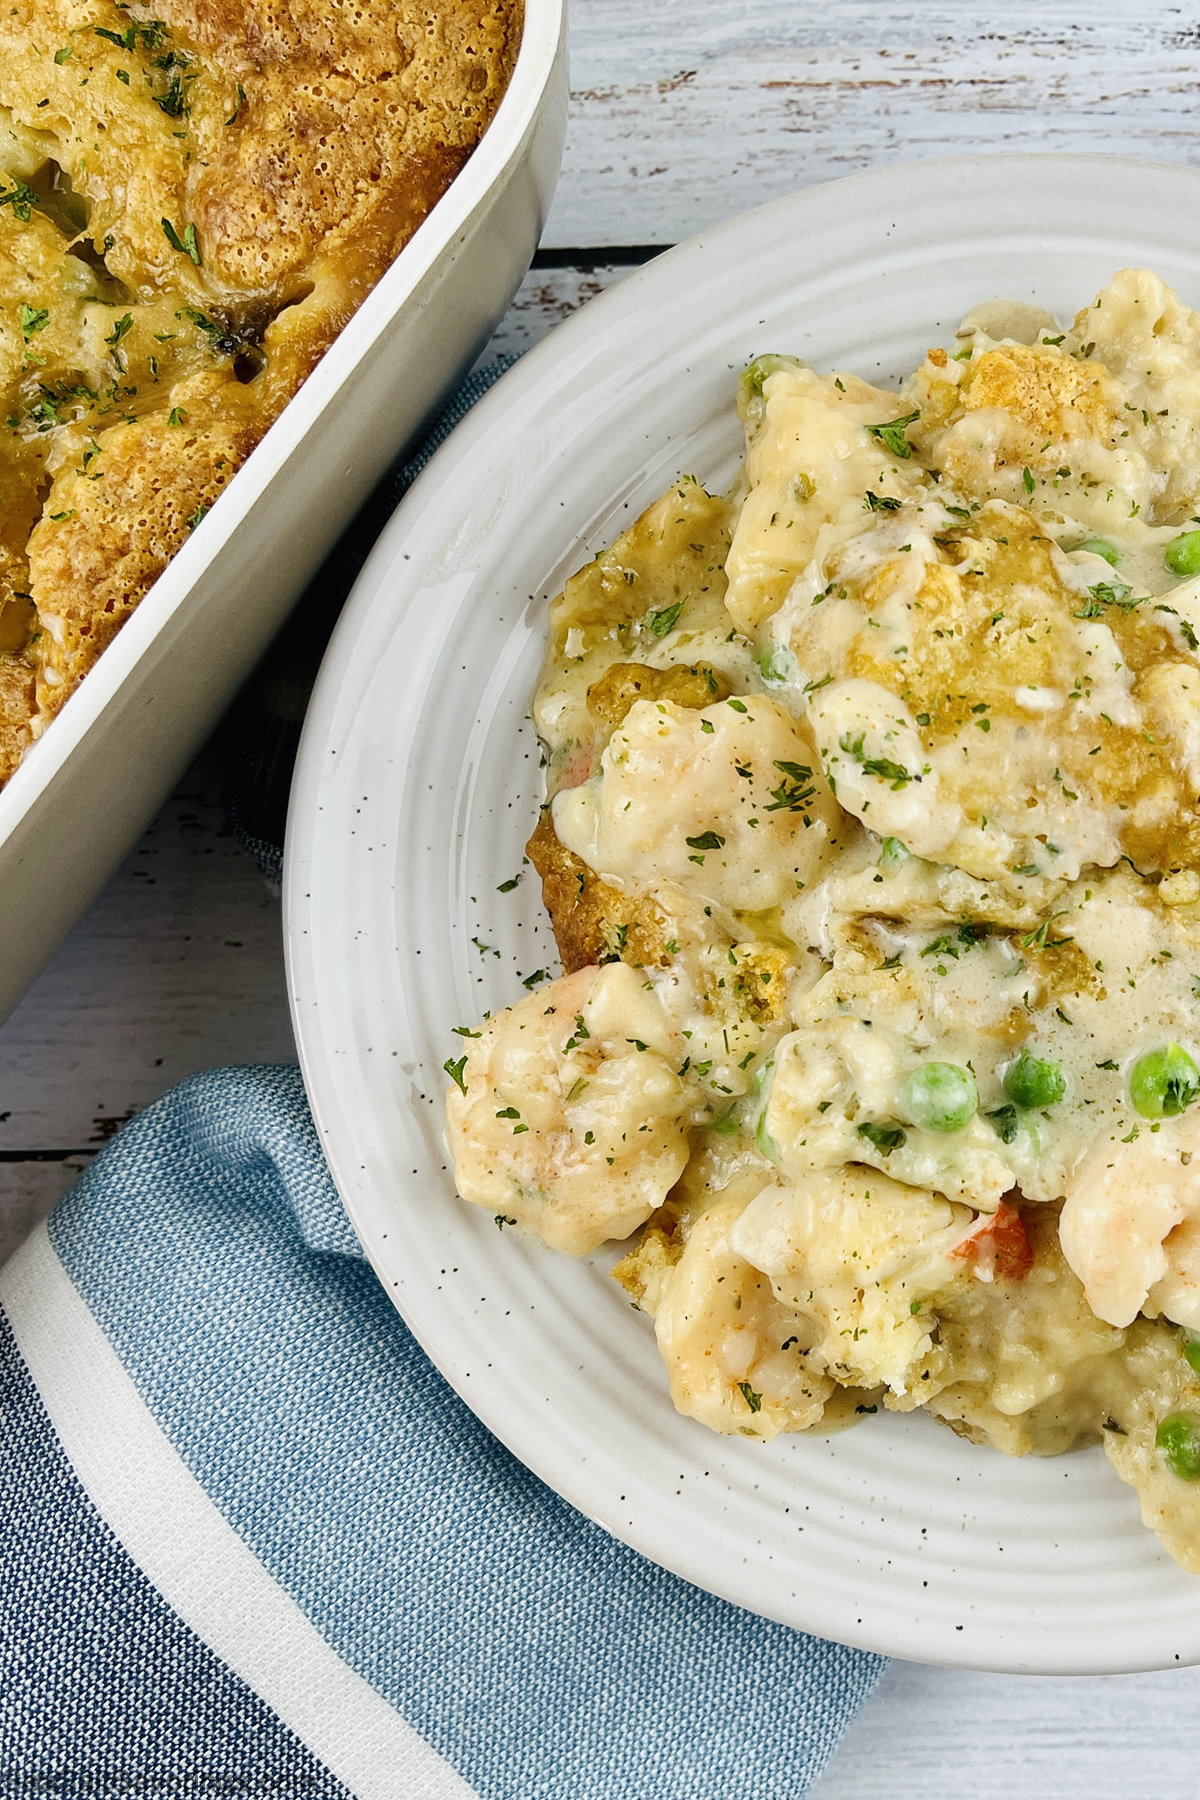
[251, 1543]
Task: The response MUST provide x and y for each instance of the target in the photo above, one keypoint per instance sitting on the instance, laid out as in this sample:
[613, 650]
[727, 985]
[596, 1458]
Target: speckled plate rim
[415, 786]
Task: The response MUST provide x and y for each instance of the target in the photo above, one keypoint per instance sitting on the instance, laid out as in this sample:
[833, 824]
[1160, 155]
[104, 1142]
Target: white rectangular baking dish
[91, 785]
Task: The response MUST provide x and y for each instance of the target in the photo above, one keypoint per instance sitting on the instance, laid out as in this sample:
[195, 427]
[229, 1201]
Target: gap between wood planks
[47, 1156]
[611, 256]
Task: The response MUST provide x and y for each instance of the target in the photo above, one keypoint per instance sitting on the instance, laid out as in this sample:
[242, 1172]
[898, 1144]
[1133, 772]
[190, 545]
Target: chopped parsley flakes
[892, 435]
[882, 766]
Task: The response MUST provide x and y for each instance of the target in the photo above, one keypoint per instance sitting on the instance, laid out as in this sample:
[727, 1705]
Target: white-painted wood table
[682, 114]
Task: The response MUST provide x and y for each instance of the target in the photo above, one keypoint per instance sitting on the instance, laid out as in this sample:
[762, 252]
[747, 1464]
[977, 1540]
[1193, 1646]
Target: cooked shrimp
[1130, 1225]
[862, 1255]
[737, 1357]
[728, 803]
[570, 1120]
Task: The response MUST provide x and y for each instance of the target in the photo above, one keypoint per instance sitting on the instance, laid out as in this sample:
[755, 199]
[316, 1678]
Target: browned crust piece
[129, 513]
[16, 705]
[593, 921]
[19, 500]
[695, 685]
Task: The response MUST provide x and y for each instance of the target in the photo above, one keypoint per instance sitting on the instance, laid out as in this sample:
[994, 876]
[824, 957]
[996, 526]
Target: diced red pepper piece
[578, 767]
[998, 1240]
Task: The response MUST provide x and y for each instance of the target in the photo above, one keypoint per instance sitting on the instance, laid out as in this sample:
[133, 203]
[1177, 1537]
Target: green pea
[940, 1097]
[1164, 1082]
[893, 854]
[1102, 547]
[1032, 1082]
[1178, 1438]
[762, 1093]
[1182, 554]
[1191, 1349]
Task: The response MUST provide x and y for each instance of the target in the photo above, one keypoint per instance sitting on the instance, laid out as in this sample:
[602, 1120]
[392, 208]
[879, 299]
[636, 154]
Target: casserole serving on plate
[870, 851]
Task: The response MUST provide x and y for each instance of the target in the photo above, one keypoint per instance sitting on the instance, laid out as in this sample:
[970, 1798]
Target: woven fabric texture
[539, 1657]
[103, 1692]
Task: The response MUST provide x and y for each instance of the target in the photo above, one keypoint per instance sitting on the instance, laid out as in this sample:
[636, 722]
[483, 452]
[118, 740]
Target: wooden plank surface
[177, 967]
[684, 115]
[962, 1736]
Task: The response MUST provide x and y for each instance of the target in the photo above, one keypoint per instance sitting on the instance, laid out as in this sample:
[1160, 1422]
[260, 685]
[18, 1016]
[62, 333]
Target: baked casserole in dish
[193, 202]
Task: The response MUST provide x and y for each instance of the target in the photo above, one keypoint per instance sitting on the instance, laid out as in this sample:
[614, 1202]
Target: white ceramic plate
[417, 786]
